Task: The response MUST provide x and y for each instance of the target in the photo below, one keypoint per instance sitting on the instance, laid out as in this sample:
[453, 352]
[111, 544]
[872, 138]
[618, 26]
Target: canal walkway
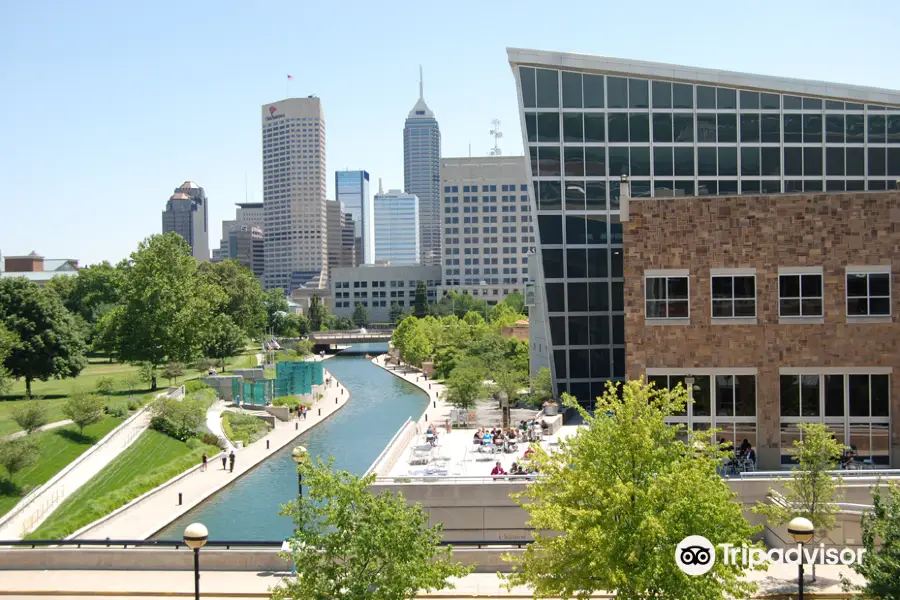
[150, 513]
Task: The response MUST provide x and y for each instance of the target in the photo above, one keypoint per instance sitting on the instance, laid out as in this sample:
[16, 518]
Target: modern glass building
[352, 189]
[397, 228]
[587, 120]
[187, 214]
[422, 174]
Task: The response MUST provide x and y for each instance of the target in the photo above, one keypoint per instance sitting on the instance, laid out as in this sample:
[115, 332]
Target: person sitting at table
[486, 439]
[498, 470]
[498, 441]
[523, 426]
[516, 470]
[750, 454]
[745, 447]
[430, 435]
[529, 452]
[478, 436]
[847, 458]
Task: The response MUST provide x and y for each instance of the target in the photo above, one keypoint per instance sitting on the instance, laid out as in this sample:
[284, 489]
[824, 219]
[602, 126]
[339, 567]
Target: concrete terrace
[144, 516]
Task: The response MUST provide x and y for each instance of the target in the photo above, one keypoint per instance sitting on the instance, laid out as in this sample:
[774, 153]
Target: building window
[733, 296]
[868, 293]
[800, 295]
[667, 297]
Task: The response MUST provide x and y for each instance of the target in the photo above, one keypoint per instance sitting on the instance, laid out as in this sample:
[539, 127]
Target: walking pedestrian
[304, 413]
[205, 458]
[290, 413]
[231, 461]
[224, 462]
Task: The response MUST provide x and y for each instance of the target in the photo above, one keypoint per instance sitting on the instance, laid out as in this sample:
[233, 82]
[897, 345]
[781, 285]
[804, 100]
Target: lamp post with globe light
[802, 530]
[300, 455]
[195, 536]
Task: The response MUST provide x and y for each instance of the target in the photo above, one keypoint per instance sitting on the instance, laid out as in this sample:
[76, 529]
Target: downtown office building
[422, 175]
[352, 191]
[676, 132]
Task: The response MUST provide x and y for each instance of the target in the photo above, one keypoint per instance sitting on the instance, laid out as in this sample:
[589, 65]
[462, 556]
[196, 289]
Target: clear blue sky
[105, 107]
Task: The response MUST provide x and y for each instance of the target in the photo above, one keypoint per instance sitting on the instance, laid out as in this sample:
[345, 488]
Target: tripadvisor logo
[696, 555]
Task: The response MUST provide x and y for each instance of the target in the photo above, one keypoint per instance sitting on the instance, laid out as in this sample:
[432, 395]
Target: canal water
[354, 436]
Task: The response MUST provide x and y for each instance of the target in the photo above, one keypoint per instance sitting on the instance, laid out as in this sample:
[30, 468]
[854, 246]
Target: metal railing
[425, 478]
[45, 507]
[857, 474]
[220, 544]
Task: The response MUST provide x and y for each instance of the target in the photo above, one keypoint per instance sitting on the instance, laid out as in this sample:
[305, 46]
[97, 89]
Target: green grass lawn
[151, 461]
[58, 448]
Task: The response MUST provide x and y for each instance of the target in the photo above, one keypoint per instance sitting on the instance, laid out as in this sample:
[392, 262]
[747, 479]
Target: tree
[509, 381]
[515, 301]
[420, 304]
[30, 416]
[342, 323]
[542, 386]
[224, 338]
[89, 297]
[880, 564]
[172, 371]
[276, 305]
[106, 386]
[243, 300]
[15, 455]
[418, 347]
[83, 409]
[351, 543]
[48, 343]
[360, 315]
[7, 342]
[317, 314]
[396, 313]
[165, 305]
[402, 334]
[812, 491]
[466, 383]
[621, 494]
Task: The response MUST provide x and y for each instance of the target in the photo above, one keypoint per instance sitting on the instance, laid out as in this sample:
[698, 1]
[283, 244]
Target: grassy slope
[58, 448]
[151, 461]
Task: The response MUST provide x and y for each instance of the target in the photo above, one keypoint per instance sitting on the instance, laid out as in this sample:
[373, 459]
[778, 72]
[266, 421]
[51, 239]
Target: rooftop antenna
[246, 187]
[495, 151]
[380, 190]
[421, 85]
[470, 149]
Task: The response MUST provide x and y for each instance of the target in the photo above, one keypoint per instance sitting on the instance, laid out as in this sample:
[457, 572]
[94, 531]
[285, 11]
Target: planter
[551, 410]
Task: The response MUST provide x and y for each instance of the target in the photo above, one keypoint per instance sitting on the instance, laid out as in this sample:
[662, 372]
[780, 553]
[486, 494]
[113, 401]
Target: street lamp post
[195, 536]
[802, 530]
[299, 454]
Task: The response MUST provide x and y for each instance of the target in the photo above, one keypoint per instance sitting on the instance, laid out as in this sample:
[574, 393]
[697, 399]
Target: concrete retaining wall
[223, 385]
[395, 449]
[250, 374]
[279, 412]
[211, 559]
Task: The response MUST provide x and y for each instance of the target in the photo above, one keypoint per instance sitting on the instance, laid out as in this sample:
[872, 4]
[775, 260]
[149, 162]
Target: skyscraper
[352, 190]
[341, 241]
[422, 174]
[397, 227]
[187, 215]
[293, 136]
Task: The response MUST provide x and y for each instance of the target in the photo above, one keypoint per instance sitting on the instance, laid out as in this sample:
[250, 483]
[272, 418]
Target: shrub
[30, 416]
[83, 409]
[106, 386]
[133, 405]
[195, 385]
[291, 401]
[210, 439]
[193, 443]
[116, 410]
[204, 364]
[245, 428]
[15, 455]
[173, 371]
[179, 420]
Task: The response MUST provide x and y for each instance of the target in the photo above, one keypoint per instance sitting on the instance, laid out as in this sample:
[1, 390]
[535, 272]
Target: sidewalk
[150, 513]
[66, 482]
[438, 410]
[48, 426]
[780, 579]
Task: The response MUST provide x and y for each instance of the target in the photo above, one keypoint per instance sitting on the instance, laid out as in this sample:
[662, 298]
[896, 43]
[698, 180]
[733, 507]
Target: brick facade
[831, 231]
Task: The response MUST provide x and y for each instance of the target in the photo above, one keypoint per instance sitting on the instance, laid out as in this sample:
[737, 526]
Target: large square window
[571, 88]
[749, 127]
[617, 127]
[547, 88]
[662, 161]
[706, 161]
[596, 195]
[617, 92]
[733, 296]
[595, 161]
[684, 162]
[727, 127]
[683, 127]
[727, 98]
[639, 127]
[735, 395]
[549, 161]
[662, 94]
[800, 295]
[594, 132]
[706, 97]
[548, 127]
[662, 127]
[638, 93]
[749, 100]
[550, 227]
[573, 130]
[574, 193]
[682, 95]
[868, 294]
[593, 91]
[667, 297]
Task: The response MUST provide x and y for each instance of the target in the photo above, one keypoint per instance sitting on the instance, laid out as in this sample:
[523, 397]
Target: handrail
[387, 447]
[227, 544]
[846, 474]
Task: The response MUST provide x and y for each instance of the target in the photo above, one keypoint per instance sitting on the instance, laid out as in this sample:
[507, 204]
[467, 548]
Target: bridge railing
[218, 544]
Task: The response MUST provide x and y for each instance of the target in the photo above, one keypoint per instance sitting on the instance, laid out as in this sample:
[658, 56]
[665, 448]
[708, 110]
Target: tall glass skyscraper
[352, 190]
[397, 227]
[676, 131]
[422, 174]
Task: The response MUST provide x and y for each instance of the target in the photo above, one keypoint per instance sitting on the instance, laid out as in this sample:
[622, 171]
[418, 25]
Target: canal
[354, 436]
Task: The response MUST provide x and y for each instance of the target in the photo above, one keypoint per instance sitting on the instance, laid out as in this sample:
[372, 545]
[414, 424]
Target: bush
[116, 410]
[133, 405]
[179, 420]
[245, 428]
[292, 401]
[106, 386]
[205, 364]
[195, 385]
[210, 439]
[30, 416]
[173, 371]
[193, 443]
[83, 409]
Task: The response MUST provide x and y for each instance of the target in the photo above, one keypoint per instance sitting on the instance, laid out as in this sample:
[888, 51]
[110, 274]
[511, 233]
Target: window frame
[868, 271]
[731, 274]
[800, 272]
[667, 274]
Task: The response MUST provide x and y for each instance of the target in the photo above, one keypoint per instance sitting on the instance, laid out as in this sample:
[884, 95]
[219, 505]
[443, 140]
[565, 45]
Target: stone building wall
[831, 231]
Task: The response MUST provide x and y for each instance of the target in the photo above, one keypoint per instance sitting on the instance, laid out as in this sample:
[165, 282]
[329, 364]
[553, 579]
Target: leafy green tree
[276, 306]
[224, 339]
[83, 409]
[418, 347]
[812, 492]
[503, 315]
[7, 342]
[880, 564]
[318, 314]
[360, 315]
[16, 455]
[453, 303]
[621, 494]
[165, 307]
[304, 348]
[445, 360]
[48, 343]
[542, 387]
[466, 383]
[509, 381]
[106, 386]
[515, 301]
[351, 543]
[89, 297]
[396, 313]
[402, 334]
[172, 371]
[420, 304]
[343, 323]
[30, 416]
[179, 419]
[243, 300]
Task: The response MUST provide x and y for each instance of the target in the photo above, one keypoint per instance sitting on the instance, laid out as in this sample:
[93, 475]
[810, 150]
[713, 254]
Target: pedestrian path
[438, 410]
[36, 507]
[47, 427]
[779, 579]
[214, 422]
[144, 516]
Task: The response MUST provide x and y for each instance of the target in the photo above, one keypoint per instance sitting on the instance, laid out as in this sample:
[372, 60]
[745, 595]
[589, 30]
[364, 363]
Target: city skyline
[112, 107]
